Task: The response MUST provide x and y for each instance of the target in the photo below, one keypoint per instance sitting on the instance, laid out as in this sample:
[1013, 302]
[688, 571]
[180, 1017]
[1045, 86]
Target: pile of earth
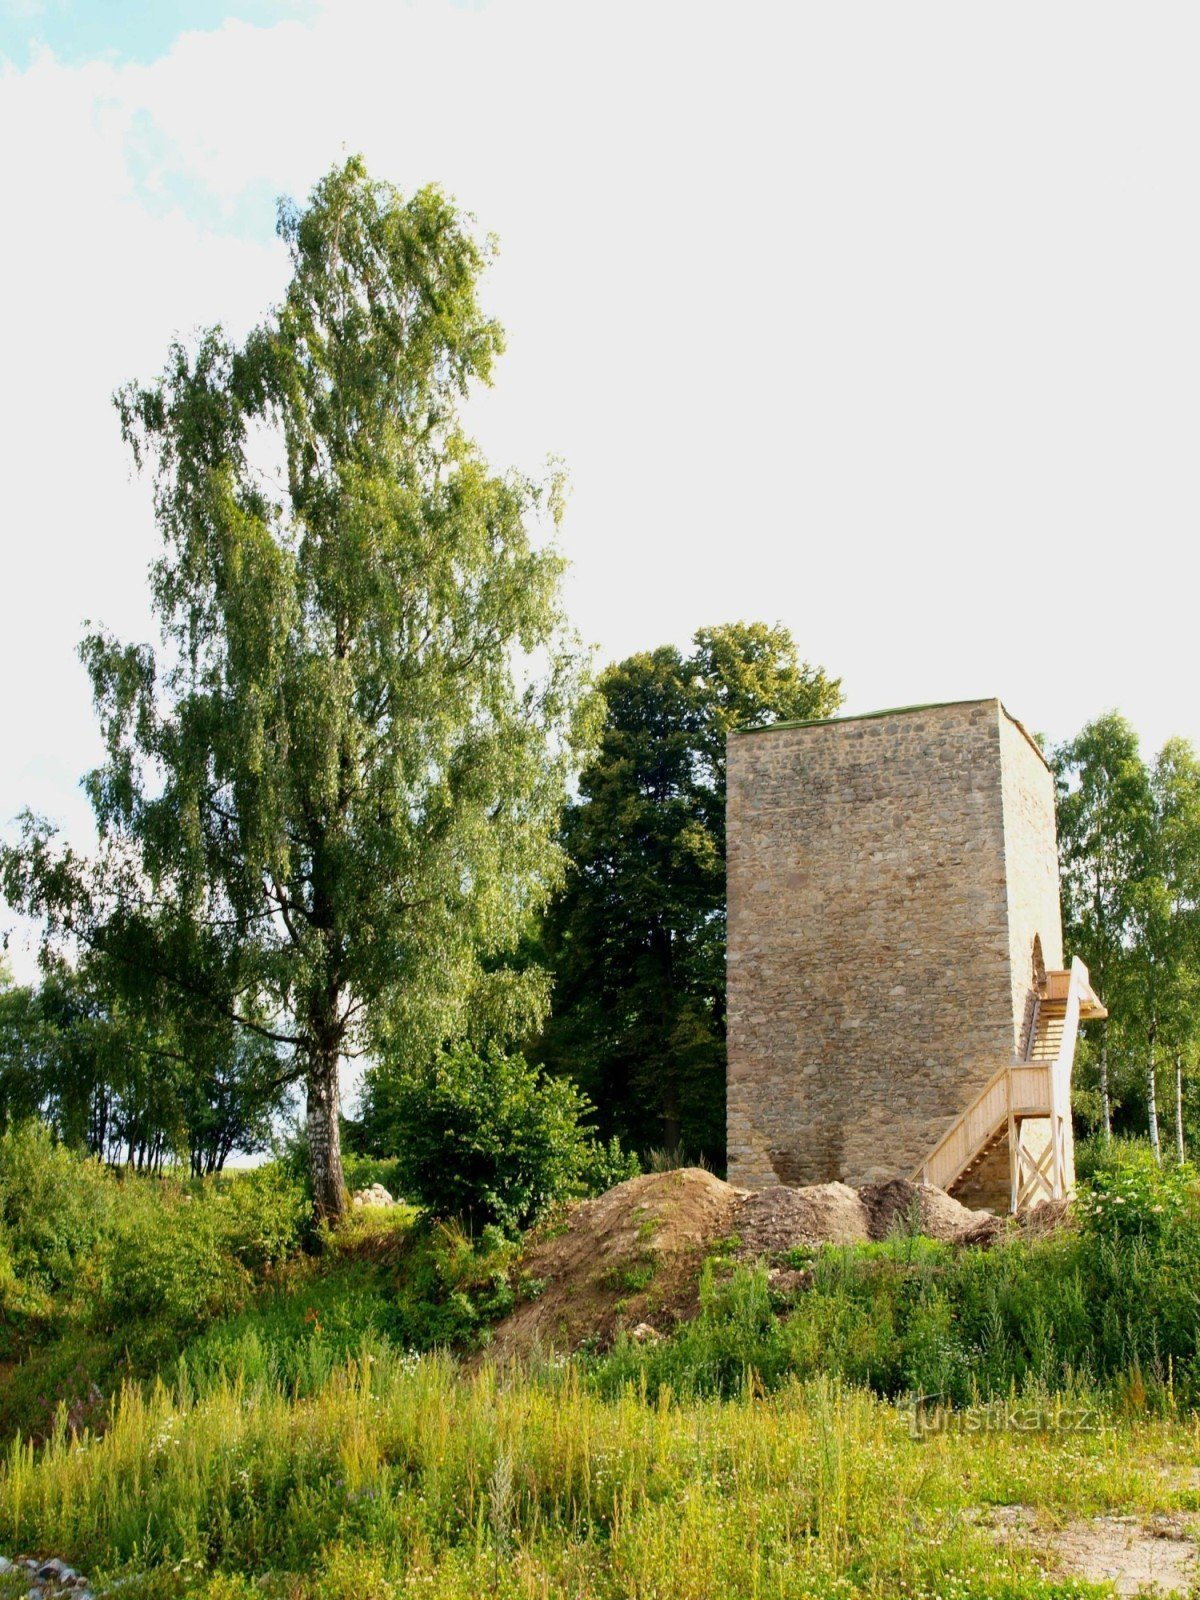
[774, 1221]
[631, 1258]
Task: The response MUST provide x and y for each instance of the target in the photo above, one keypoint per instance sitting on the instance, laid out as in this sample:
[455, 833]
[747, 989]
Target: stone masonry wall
[872, 988]
[1030, 868]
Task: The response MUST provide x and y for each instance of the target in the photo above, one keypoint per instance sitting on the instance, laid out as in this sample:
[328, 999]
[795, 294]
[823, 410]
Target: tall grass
[404, 1476]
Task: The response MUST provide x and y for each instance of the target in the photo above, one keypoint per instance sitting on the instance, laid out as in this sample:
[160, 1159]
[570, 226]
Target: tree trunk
[1179, 1146]
[672, 1123]
[1105, 1102]
[325, 1138]
[1152, 1103]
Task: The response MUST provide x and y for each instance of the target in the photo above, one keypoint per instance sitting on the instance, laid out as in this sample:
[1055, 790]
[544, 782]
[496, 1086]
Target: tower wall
[1031, 868]
[886, 876]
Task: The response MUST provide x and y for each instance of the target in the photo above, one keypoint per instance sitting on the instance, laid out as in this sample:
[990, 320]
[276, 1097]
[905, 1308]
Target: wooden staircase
[1026, 1105]
[984, 1154]
[1050, 1019]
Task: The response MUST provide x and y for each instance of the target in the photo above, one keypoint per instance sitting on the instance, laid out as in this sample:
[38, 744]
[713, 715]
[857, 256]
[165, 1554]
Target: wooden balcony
[1058, 986]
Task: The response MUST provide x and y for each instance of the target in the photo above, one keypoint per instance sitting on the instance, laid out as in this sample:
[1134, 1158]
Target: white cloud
[879, 320]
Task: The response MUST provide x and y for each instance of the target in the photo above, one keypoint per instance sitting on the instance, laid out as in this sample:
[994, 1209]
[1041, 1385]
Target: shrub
[489, 1138]
[264, 1215]
[1129, 1195]
[54, 1206]
[166, 1268]
[606, 1165]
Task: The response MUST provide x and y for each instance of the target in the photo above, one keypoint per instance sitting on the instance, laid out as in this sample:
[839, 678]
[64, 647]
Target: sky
[878, 320]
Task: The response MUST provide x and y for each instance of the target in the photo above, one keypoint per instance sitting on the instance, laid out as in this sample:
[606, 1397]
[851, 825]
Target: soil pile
[631, 1259]
[1047, 1218]
[630, 1256]
[900, 1206]
[774, 1221]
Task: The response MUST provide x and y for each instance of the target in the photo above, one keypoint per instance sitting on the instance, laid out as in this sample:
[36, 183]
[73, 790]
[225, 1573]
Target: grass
[280, 1423]
[385, 1281]
[402, 1476]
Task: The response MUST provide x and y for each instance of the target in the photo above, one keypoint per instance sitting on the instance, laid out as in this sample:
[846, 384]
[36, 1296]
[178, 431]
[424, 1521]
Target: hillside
[673, 1390]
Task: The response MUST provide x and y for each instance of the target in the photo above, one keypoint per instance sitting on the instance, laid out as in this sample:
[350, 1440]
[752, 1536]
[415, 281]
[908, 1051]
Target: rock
[376, 1195]
[56, 1571]
[5, 1564]
[790, 1280]
[644, 1334]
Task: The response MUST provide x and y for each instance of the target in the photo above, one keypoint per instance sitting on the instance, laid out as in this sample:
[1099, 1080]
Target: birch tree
[331, 794]
[1104, 818]
[1129, 839]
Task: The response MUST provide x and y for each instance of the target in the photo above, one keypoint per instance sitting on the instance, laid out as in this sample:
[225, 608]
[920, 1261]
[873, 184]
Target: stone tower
[897, 1001]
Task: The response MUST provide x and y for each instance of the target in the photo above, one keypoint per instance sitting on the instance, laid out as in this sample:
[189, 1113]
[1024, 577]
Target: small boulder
[644, 1333]
[376, 1195]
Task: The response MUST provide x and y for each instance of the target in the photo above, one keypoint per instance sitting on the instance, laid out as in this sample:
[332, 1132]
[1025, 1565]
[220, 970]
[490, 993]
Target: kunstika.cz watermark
[929, 1413]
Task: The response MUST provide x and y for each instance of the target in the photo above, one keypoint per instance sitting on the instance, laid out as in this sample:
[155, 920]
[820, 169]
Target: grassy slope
[404, 1476]
[300, 1446]
[384, 1281]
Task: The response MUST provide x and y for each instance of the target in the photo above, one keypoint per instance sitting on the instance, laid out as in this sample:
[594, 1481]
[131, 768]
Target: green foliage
[452, 1287]
[1128, 1196]
[1129, 839]
[163, 1269]
[605, 1165]
[486, 1137]
[21, 1044]
[329, 804]
[175, 1258]
[145, 1261]
[126, 1081]
[406, 1477]
[637, 938]
[384, 1283]
[264, 1215]
[54, 1208]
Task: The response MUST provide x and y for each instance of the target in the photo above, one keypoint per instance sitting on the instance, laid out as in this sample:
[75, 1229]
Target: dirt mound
[1047, 1218]
[631, 1256]
[630, 1260]
[920, 1208]
[774, 1221]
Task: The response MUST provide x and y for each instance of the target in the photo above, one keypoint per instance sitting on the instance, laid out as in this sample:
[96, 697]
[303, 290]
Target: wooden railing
[964, 1140]
[1035, 1087]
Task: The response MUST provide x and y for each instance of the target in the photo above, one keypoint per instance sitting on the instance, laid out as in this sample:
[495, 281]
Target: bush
[489, 1138]
[166, 1267]
[265, 1214]
[606, 1165]
[1129, 1195]
[54, 1206]
[177, 1256]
